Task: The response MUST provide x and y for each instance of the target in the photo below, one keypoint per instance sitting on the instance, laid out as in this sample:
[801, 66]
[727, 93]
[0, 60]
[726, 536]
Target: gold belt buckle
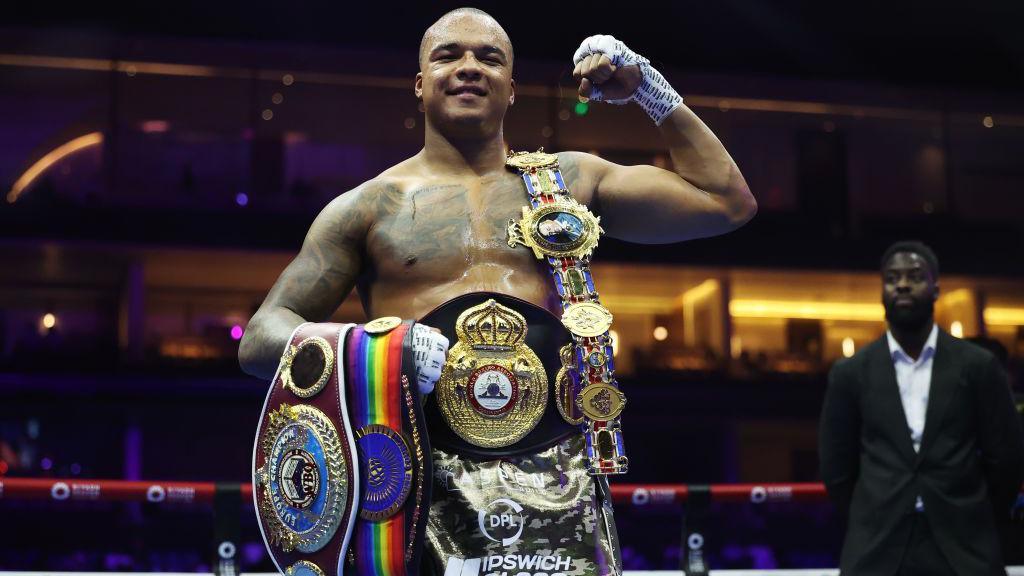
[493, 389]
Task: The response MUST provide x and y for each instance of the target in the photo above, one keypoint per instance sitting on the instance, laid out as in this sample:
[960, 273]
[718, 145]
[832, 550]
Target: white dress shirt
[914, 378]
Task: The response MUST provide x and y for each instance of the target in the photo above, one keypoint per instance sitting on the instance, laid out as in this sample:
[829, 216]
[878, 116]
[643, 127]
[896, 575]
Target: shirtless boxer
[434, 228]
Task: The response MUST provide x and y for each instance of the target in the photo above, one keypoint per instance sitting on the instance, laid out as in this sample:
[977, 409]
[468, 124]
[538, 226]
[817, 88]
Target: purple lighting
[46, 463]
[241, 199]
[236, 332]
[253, 552]
[133, 453]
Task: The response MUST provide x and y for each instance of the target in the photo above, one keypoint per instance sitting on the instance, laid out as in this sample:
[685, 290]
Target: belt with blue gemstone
[564, 232]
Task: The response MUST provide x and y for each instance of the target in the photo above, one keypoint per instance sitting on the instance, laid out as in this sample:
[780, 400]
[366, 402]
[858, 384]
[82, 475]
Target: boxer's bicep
[644, 204]
[580, 172]
[651, 205]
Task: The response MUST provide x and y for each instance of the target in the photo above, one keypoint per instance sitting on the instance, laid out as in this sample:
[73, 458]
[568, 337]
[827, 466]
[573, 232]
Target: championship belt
[394, 457]
[493, 389]
[544, 336]
[338, 459]
[305, 479]
[564, 232]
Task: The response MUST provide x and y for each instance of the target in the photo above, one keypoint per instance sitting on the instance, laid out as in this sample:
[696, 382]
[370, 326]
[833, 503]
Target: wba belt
[494, 398]
[342, 462]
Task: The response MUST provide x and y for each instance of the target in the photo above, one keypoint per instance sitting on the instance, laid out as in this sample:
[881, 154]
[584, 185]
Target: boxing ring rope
[667, 494]
[77, 489]
[697, 498]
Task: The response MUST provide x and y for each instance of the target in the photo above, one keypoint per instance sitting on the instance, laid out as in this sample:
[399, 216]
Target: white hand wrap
[429, 349]
[655, 95]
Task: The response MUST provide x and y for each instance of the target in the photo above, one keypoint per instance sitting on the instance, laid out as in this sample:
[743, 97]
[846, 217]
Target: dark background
[93, 406]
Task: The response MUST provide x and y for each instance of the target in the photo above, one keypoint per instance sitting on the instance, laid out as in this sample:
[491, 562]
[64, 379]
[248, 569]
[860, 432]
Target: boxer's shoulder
[580, 171]
[571, 162]
[372, 199]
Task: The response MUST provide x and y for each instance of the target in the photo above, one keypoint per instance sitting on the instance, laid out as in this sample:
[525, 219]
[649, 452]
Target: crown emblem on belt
[491, 326]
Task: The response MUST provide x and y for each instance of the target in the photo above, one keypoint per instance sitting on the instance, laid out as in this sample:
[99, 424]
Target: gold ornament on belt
[304, 568]
[306, 367]
[493, 389]
[382, 325]
[587, 319]
[564, 229]
[531, 160]
[600, 401]
[565, 390]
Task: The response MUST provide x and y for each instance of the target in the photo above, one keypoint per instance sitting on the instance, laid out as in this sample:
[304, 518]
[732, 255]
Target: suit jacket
[969, 468]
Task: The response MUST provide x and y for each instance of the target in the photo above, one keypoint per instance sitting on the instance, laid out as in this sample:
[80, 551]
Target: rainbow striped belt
[394, 464]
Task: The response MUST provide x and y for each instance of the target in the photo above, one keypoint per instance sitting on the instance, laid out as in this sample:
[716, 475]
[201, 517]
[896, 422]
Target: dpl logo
[502, 521]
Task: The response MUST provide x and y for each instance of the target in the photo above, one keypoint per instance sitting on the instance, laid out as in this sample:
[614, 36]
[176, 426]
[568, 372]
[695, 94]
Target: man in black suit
[920, 445]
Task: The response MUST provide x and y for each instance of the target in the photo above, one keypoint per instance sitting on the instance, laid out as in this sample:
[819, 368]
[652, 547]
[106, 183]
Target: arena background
[161, 163]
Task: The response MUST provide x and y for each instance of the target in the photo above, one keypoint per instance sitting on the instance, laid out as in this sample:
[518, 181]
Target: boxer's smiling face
[466, 76]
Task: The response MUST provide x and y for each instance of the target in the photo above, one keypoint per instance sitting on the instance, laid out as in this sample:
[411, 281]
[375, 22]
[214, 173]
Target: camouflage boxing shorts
[525, 515]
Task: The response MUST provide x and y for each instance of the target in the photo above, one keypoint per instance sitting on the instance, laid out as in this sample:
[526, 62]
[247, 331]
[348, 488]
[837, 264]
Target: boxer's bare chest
[426, 224]
[435, 238]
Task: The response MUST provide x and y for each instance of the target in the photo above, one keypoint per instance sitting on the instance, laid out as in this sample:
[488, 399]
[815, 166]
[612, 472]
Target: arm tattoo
[570, 169]
[312, 286]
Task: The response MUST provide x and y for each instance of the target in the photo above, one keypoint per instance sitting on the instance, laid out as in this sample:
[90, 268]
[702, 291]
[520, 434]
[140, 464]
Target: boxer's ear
[418, 88]
[512, 95]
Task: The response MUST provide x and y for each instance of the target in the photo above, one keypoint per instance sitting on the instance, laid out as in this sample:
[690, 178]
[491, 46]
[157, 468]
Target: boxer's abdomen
[409, 298]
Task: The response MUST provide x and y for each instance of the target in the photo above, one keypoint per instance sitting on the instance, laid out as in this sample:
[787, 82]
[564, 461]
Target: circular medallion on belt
[385, 470]
[493, 390]
[562, 229]
[382, 325]
[529, 160]
[304, 568]
[587, 319]
[303, 480]
[307, 367]
[601, 401]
